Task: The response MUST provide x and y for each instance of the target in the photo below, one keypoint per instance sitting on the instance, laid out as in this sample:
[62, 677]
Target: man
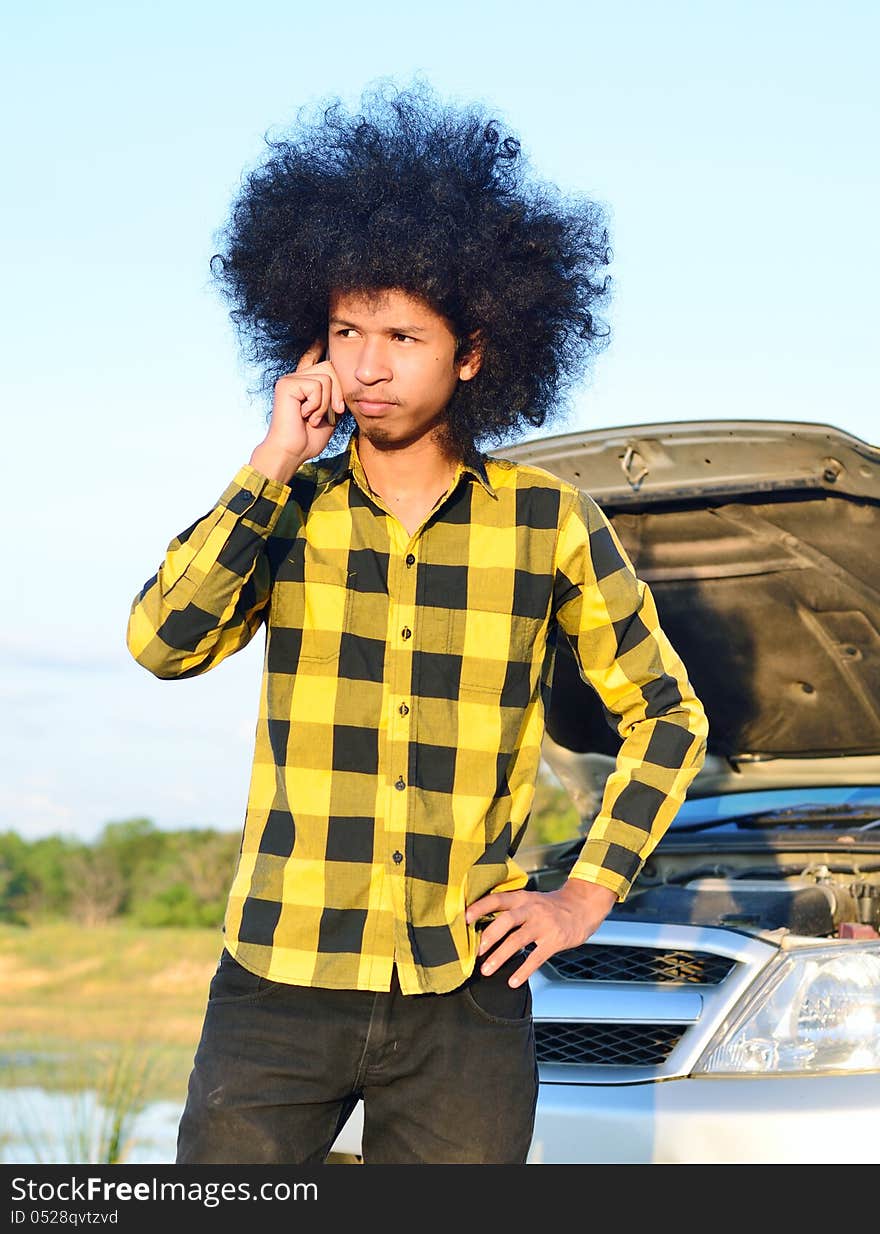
[410, 295]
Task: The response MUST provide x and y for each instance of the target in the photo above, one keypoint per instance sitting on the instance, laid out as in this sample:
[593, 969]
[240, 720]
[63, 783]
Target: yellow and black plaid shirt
[402, 705]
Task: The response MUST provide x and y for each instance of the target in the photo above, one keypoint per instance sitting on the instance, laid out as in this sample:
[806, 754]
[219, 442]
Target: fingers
[530, 965]
[311, 393]
[487, 904]
[551, 920]
[318, 390]
[525, 917]
[515, 945]
[335, 399]
[502, 925]
[310, 363]
[515, 942]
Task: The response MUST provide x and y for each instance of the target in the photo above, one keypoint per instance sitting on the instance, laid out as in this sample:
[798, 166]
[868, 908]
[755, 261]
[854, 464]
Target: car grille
[623, 1045]
[623, 1009]
[592, 963]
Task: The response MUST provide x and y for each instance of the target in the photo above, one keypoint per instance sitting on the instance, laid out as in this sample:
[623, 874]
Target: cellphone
[332, 417]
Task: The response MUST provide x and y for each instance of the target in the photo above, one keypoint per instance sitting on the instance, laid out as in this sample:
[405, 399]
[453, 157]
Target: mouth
[373, 407]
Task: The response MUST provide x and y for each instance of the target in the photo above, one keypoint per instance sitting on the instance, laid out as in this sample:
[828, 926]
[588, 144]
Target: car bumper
[812, 1119]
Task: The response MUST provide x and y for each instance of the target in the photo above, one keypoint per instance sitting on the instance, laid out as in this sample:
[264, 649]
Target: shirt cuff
[589, 872]
[256, 497]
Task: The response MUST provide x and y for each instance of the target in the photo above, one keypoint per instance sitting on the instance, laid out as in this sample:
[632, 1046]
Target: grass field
[114, 1009]
[76, 1003]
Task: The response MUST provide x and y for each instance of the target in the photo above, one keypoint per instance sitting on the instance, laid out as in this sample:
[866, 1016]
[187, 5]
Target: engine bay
[824, 898]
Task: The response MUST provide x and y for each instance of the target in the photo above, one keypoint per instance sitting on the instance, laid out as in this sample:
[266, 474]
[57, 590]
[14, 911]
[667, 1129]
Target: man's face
[396, 361]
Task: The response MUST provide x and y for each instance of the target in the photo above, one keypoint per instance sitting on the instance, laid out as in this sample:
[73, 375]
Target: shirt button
[406, 632]
[410, 559]
[400, 784]
[397, 857]
[403, 709]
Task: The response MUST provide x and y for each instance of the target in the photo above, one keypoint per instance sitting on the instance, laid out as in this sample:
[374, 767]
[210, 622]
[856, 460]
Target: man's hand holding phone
[306, 405]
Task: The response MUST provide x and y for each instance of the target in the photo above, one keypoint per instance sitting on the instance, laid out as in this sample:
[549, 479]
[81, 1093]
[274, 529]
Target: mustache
[370, 396]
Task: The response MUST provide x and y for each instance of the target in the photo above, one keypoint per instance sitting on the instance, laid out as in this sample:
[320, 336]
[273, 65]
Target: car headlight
[816, 1010]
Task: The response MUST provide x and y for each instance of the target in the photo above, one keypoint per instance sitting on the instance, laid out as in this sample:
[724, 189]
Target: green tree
[158, 878]
[14, 878]
[134, 847]
[47, 866]
[189, 885]
[97, 886]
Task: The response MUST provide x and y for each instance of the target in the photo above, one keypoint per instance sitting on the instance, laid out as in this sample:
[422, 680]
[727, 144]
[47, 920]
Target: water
[38, 1127]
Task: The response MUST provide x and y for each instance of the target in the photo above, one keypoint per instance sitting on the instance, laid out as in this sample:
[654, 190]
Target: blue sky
[734, 147]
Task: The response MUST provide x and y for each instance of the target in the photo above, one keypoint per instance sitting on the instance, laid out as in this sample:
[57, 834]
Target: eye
[405, 338]
[345, 332]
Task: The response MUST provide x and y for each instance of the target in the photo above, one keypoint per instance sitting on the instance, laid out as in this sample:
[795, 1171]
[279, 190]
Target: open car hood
[761, 544]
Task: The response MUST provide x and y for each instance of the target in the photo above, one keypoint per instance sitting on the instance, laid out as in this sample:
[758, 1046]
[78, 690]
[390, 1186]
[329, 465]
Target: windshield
[722, 810]
[555, 825]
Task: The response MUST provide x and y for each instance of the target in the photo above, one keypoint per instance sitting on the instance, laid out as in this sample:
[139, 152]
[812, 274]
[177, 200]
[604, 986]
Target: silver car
[729, 1010]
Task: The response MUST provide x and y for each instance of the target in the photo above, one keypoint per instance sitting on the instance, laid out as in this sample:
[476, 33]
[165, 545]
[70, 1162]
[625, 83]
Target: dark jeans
[445, 1078]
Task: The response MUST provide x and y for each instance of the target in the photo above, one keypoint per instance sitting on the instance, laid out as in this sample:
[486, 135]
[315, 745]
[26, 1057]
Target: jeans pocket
[494, 999]
[233, 983]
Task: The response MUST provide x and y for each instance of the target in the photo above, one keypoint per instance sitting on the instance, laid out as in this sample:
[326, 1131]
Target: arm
[210, 594]
[610, 619]
[208, 597]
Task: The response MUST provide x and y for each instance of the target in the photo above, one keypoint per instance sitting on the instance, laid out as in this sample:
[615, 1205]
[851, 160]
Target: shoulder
[537, 488]
[506, 473]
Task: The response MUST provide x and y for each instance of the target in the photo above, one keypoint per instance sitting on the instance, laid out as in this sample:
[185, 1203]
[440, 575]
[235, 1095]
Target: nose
[372, 362]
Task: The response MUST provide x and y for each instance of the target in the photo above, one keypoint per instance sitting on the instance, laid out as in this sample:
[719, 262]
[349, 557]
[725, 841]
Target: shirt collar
[348, 463]
[339, 466]
[478, 468]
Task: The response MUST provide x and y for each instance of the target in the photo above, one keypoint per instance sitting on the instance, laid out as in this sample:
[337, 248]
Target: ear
[471, 357]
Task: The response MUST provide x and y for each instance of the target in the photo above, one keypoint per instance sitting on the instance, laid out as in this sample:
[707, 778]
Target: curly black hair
[433, 200]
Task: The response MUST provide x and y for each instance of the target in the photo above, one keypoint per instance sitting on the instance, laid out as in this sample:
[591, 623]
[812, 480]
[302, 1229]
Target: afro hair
[433, 200]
